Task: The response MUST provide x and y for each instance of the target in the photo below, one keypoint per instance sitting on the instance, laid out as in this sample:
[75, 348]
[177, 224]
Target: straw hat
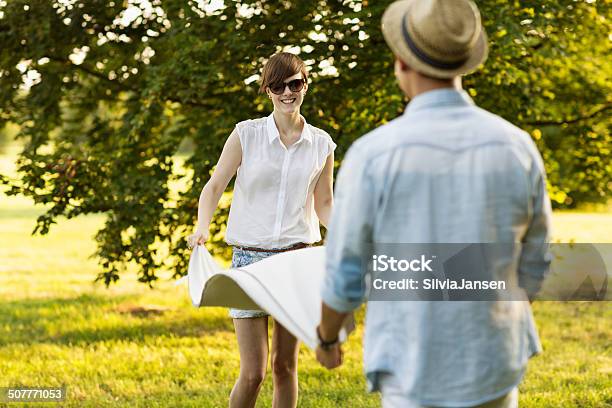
[438, 38]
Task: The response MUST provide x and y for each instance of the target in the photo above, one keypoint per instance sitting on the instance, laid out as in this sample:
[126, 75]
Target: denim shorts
[241, 257]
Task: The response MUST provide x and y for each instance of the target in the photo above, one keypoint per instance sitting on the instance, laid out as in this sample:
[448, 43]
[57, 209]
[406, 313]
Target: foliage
[105, 93]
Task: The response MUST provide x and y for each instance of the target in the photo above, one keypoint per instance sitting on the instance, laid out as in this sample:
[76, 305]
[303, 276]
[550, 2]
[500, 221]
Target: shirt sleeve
[241, 128]
[331, 146]
[350, 230]
[535, 256]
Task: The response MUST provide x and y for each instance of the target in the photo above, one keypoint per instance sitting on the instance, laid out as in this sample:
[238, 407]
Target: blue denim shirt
[445, 171]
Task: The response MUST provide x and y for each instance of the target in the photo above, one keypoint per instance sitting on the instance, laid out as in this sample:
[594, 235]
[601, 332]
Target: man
[445, 171]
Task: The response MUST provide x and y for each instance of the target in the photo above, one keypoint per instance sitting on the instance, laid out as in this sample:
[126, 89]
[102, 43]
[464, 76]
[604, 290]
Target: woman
[283, 190]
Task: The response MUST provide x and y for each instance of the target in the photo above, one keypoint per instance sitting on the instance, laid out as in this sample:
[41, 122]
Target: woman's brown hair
[279, 67]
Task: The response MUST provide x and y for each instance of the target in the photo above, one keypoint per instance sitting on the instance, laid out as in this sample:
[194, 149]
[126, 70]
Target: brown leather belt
[293, 247]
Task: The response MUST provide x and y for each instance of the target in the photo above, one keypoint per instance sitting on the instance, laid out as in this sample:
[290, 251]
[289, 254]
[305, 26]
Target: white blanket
[286, 285]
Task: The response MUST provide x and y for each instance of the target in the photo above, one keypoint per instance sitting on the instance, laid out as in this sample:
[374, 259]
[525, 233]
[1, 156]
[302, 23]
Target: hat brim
[392, 32]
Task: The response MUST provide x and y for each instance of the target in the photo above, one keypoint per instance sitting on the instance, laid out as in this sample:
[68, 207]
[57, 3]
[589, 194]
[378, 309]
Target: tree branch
[570, 121]
[91, 72]
[124, 86]
[193, 103]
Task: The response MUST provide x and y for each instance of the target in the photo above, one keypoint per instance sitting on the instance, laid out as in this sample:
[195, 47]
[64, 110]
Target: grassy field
[130, 346]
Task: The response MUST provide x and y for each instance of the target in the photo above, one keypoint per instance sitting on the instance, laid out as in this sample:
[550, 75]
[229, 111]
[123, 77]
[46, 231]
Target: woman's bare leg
[285, 350]
[252, 335]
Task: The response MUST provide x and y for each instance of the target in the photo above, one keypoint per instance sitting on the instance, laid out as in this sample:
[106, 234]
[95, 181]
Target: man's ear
[402, 65]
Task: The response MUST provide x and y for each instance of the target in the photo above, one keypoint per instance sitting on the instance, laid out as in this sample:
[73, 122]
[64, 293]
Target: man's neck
[424, 84]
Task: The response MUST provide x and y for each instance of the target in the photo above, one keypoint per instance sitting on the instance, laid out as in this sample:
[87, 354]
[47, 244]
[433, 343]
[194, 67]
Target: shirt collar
[274, 134]
[438, 98]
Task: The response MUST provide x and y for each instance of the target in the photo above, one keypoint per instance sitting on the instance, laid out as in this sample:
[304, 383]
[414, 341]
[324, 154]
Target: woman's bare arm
[324, 191]
[226, 168]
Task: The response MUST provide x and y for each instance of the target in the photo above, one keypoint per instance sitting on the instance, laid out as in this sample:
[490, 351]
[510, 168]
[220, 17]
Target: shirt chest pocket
[261, 176]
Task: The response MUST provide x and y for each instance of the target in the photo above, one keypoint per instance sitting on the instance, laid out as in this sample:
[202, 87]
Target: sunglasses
[295, 85]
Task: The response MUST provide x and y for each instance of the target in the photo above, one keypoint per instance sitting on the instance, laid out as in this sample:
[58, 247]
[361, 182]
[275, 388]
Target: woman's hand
[197, 238]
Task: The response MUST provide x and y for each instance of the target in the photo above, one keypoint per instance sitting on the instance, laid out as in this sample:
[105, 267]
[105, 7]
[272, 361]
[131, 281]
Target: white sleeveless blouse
[273, 203]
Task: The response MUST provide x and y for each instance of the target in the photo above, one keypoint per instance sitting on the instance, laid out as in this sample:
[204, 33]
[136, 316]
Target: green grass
[57, 327]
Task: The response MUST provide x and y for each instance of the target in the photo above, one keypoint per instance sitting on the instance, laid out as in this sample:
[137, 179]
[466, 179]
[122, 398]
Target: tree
[105, 93]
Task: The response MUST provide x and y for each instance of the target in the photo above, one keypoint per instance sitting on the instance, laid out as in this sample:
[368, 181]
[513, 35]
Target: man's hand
[327, 331]
[331, 358]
